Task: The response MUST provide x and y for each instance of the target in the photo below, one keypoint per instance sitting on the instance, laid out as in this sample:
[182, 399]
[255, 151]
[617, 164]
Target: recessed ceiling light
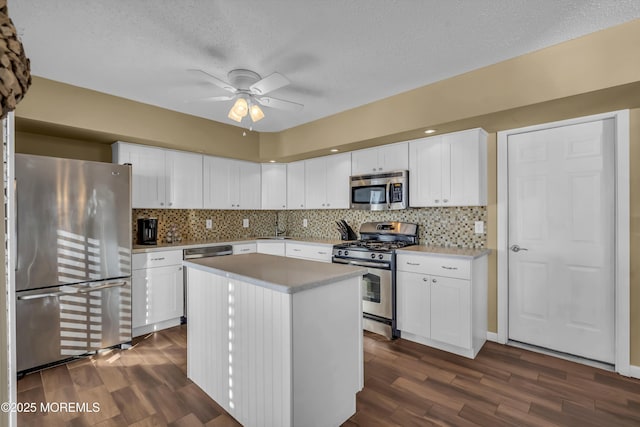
[334, 150]
[272, 161]
[428, 131]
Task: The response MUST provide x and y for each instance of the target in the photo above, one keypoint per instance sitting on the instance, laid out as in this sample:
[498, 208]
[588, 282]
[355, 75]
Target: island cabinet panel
[240, 352]
[273, 358]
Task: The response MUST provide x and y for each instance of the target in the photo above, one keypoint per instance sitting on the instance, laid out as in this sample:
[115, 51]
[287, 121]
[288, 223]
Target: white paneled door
[561, 239]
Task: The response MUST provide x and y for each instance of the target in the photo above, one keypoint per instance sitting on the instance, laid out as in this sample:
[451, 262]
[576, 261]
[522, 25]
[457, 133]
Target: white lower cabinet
[244, 248]
[436, 309]
[270, 248]
[158, 289]
[311, 252]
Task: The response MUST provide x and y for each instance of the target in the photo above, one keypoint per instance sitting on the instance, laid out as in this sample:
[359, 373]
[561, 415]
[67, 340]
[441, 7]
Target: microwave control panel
[396, 193]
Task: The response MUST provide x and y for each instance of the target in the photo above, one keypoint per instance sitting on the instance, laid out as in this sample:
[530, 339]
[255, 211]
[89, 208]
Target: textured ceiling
[338, 54]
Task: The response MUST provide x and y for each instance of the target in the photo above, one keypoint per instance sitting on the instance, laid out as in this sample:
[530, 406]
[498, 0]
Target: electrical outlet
[209, 223]
[479, 226]
[245, 223]
[305, 223]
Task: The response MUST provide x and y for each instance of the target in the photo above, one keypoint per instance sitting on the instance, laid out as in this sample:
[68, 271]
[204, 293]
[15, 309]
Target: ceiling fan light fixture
[241, 107]
[256, 112]
[234, 116]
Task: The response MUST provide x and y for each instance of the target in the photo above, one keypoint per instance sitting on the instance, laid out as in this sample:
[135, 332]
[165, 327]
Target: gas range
[378, 242]
[376, 251]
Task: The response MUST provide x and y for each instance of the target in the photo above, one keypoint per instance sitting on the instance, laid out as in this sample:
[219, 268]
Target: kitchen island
[276, 341]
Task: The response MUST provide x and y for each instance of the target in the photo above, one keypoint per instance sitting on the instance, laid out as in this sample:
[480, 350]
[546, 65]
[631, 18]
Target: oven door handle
[379, 265]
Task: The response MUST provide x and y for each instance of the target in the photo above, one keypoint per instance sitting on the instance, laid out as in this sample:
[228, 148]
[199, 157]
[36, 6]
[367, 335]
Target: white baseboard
[492, 336]
[634, 371]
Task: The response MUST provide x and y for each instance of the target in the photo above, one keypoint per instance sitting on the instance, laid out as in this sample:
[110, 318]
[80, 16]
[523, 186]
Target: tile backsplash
[451, 226]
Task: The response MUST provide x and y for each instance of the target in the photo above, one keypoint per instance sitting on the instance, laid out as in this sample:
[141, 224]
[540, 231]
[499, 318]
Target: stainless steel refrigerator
[73, 258]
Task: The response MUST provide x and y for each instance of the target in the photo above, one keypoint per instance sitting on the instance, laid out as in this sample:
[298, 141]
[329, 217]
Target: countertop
[287, 275]
[444, 251]
[185, 244]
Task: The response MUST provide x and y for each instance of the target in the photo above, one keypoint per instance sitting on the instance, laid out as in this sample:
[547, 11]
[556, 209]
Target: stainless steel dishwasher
[201, 252]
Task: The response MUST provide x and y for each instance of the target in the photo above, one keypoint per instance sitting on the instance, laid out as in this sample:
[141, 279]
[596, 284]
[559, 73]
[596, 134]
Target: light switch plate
[209, 223]
[305, 223]
[479, 226]
[245, 223]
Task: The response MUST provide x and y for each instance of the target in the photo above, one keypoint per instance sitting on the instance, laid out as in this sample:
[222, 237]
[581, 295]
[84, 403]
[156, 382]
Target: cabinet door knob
[436, 201]
[161, 203]
[170, 203]
[445, 200]
[424, 279]
[302, 206]
[434, 280]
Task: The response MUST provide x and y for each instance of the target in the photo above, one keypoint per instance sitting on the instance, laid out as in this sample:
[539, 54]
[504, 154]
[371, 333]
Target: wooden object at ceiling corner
[15, 72]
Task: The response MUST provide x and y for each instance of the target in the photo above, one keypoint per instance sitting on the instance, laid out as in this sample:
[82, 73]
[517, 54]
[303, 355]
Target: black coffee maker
[147, 231]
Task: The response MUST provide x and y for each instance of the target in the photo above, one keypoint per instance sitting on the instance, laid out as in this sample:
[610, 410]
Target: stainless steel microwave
[380, 191]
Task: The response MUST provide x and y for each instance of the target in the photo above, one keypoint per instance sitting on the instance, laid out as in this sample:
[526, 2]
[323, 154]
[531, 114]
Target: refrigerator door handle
[45, 295]
[101, 287]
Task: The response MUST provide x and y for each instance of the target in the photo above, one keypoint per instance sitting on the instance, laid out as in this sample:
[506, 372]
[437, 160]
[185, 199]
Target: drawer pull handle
[297, 250]
[157, 259]
[449, 268]
[413, 263]
[322, 253]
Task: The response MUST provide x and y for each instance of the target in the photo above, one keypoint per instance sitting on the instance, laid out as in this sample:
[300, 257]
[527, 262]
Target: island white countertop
[282, 274]
[444, 251]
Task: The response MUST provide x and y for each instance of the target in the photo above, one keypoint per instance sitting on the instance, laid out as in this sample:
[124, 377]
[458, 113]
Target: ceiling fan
[248, 89]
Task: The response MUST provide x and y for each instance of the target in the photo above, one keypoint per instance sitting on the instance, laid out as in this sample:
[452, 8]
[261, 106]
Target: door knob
[516, 248]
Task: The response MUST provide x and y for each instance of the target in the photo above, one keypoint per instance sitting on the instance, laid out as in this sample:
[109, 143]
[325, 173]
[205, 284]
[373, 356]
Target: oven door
[376, 293]
[376, 288]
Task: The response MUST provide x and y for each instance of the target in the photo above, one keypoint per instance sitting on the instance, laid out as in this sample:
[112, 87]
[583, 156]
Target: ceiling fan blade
[216, 81]
[269, 83]
[213, 98]
[280, 104]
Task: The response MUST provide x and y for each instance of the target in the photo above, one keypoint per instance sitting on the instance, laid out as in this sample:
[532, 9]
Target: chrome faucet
[278, 232]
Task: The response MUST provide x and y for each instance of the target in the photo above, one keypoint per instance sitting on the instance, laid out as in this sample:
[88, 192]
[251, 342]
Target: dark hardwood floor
[406, 384]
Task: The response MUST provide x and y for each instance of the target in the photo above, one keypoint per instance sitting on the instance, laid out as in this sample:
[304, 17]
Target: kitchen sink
[274, 238]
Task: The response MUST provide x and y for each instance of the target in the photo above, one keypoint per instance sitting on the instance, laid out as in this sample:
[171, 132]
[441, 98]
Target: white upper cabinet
[385, 158]
[449, 170]
[274, 185]
[231, 184]
[327, 182]
[184, 185]
[161, 178]
[295, 185]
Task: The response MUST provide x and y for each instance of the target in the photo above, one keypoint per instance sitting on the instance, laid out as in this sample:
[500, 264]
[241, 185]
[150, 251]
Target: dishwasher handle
[207, 251]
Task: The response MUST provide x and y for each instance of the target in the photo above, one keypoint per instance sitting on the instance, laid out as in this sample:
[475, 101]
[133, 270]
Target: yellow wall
[31, 143]
[588, 75]
[72, 112]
